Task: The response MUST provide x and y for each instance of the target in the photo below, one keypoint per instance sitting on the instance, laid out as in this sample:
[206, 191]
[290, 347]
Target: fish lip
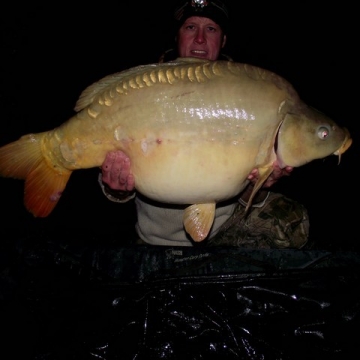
[344, 146]
[346, 143]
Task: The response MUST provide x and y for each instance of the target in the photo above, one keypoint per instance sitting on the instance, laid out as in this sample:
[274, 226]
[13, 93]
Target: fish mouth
[344, 146]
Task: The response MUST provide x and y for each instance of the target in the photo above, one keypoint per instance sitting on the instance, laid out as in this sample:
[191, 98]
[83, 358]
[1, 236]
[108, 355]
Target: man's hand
[116, 172]
[117, 175]
[274, 176]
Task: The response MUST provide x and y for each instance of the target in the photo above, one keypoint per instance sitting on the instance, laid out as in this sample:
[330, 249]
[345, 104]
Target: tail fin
[44, 184]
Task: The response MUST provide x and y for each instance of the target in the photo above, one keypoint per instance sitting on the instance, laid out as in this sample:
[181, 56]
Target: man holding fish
[274, 221]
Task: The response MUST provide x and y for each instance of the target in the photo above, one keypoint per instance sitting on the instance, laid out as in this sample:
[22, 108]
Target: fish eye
[323, 132]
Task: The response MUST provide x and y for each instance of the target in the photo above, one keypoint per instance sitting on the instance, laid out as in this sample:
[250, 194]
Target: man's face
[200, 37]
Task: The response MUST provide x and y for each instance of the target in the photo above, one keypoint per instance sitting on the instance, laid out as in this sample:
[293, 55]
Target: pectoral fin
[198, 219]
[264, 173]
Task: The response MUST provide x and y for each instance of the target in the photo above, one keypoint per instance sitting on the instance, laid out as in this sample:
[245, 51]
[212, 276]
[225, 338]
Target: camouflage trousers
[281, 223]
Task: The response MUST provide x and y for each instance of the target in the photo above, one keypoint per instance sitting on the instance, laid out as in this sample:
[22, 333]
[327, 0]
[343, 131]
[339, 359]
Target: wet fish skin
[193, 129]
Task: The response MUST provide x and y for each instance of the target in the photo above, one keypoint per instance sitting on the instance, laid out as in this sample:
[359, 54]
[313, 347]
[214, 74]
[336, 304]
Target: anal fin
[198, 219]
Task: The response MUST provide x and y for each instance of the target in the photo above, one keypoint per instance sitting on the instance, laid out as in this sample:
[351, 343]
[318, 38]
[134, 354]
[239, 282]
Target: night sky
[50, 54]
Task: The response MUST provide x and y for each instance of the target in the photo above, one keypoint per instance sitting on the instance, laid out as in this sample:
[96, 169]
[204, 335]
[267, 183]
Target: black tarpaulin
[61, 300]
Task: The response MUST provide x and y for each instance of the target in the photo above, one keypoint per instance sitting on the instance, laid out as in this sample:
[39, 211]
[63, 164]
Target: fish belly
[192, 171]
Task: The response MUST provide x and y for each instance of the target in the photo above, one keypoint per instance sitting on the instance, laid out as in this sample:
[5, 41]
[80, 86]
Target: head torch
[212, 9]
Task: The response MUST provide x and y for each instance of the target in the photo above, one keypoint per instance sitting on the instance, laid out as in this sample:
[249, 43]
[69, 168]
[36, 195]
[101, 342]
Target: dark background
[50, 53]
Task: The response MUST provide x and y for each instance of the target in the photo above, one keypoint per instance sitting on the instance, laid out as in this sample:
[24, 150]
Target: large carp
[193, 129]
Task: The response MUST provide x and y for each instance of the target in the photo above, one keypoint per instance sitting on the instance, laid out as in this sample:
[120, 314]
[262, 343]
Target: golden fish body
[193, 129]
